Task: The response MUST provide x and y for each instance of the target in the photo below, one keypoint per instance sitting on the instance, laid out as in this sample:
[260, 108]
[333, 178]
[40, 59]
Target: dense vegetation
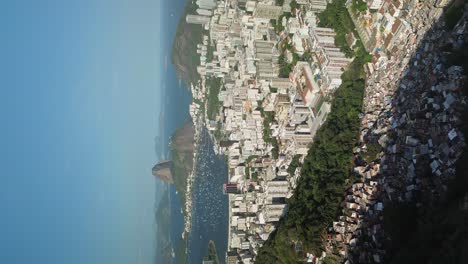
[180, 175]
[212, 254]
[294, 5]
[328, 164]
[184, 54]
[285, 67]
[278, 24]
[453, 14]
[373, 149]
[268, 118]
[218, 133]
[437, 234]
[182, 158]
[359, 6]
[213, 85]
[210, 53]
[320, 189]
[336, 16]
[295, 163]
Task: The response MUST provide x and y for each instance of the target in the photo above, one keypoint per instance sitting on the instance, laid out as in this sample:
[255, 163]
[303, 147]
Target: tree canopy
[317, 197]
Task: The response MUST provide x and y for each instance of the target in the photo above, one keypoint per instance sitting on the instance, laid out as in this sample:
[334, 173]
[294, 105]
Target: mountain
[182, 149]
[184, 49]
[162, 170]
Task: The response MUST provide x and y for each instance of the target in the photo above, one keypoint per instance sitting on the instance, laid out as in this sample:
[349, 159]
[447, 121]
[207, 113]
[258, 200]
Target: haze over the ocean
[79, 108]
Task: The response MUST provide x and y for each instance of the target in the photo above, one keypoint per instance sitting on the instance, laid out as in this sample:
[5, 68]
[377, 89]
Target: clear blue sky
[78, 107]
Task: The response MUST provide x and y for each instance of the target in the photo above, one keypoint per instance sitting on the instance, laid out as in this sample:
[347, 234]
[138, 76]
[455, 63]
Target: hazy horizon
[80, 107]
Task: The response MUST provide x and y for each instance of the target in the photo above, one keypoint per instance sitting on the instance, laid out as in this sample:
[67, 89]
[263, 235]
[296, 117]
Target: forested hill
[184, 49]
[182, 146]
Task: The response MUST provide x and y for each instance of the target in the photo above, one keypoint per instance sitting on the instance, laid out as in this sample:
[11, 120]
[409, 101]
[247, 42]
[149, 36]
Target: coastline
[187, 74]
[195, 208]
[184, 59]
[197, 115]
[197, 123]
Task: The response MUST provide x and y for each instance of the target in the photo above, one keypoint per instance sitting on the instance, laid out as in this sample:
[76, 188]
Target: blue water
[210, 205]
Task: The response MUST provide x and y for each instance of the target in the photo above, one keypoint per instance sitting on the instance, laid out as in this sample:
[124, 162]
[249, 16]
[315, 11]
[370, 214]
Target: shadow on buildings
[424, 199]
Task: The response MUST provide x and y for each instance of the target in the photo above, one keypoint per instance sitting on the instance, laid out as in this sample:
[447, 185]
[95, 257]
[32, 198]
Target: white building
[196, 19]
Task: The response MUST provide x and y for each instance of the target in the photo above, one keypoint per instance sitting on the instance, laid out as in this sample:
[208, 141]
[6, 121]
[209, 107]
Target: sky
[79, 108]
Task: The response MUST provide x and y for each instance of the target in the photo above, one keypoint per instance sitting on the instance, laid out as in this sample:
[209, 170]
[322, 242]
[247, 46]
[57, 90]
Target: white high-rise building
[375, 4]
[196, 19]
[204, 12]
[206, 4]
